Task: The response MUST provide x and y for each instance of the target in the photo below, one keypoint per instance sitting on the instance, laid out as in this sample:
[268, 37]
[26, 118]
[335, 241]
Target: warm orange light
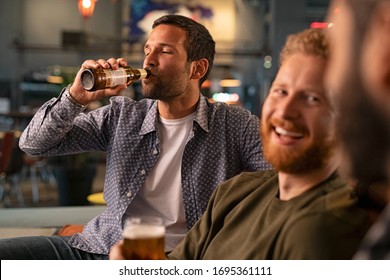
[225, 83]
[206, 84]
[86, 7]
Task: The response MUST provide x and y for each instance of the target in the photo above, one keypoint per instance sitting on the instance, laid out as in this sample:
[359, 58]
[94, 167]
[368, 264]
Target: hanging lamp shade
[86, 8]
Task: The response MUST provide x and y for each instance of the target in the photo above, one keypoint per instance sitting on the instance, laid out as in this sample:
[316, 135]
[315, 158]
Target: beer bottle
[94, 79]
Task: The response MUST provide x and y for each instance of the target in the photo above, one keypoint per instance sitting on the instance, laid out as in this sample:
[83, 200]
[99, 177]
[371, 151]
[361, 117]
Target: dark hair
[199, 43]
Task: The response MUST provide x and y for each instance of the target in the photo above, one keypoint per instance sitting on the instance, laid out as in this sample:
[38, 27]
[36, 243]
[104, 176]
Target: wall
[36, 27]
[10, 27]
[38, 24]
[258, 27]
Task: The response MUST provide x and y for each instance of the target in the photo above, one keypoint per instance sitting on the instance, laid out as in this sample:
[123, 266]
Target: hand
[83, 96]
[116, 251]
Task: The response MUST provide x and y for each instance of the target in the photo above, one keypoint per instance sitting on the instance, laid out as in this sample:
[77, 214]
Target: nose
[150, 59]
[288, 108]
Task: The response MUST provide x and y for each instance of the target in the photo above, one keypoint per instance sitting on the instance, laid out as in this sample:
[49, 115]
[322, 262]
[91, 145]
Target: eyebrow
[160, 45]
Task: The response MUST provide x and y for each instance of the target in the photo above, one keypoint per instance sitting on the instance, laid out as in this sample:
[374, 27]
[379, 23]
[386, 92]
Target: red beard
[308, 155]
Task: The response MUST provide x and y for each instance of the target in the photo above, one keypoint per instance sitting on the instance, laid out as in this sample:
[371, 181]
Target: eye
[313, 99]
[279, 92]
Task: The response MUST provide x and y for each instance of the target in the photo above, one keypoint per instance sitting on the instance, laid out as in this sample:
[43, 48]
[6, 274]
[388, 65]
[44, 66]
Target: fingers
[112, 63]
[82, 96]
[116, 251]
[90, 64]
[114, 91]
[122, 61]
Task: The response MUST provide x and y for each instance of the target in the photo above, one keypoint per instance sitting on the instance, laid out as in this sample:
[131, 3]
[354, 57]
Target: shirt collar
[201, 114]
[150, 122]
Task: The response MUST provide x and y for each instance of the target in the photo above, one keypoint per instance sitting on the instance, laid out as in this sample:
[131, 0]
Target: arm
[197, 241]
[58, 127]
[194, 244]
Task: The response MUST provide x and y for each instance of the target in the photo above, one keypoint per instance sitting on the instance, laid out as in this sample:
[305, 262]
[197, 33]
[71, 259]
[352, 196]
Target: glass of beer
[144, 238]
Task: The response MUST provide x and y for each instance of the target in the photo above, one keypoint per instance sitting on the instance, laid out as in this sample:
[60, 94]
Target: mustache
[152, 72]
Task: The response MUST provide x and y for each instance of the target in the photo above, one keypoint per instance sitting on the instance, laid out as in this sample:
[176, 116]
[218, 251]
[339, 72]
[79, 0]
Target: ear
[199, 68]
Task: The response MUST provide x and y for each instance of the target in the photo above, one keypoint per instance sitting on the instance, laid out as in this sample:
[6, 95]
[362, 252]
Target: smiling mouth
[286, 133]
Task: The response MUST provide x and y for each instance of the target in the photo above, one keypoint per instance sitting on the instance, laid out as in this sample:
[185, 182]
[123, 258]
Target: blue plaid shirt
[224, 141]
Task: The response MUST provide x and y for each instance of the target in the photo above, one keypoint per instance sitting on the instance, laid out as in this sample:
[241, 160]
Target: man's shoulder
[255, 176]
[233, 110]
[224, 108]
[233, 116]
[248, 181]
[333, 204]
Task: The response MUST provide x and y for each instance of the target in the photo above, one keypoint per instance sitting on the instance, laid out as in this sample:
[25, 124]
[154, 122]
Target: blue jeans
[43, 248]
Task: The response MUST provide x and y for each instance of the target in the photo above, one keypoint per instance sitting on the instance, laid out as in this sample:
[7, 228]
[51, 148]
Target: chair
[34, 167]
[11, 163]
[7, 143]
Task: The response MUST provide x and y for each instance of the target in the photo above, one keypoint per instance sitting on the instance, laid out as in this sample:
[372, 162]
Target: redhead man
[303, 210]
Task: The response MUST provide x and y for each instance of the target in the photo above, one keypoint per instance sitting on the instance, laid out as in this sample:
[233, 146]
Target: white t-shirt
[162, 193]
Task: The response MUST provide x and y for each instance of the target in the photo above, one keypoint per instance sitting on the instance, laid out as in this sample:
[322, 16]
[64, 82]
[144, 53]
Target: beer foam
[143, 231]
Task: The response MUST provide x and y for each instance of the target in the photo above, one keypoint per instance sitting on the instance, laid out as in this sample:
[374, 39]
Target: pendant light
[86, 8]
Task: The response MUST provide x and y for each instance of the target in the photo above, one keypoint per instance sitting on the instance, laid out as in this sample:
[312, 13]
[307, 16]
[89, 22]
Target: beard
[365, 133]
[307, 157]
[166, 87]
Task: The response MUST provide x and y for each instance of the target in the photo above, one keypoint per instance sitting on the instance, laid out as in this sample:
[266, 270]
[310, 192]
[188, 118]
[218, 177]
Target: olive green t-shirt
[246, 220]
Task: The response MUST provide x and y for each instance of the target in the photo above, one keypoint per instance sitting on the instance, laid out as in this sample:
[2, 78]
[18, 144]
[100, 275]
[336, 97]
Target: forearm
[56, 130]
